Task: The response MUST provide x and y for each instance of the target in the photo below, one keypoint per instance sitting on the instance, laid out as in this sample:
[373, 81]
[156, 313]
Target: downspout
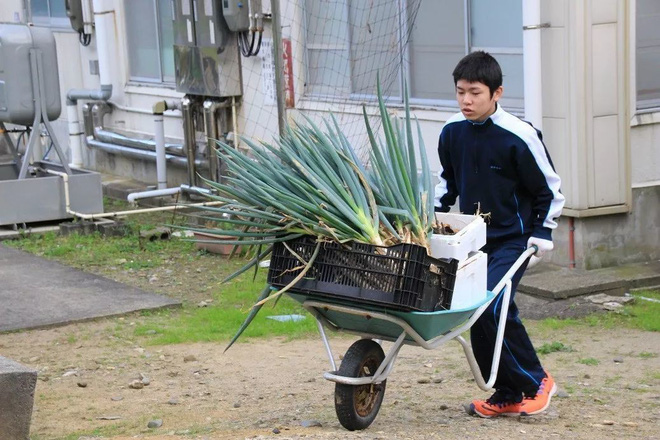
[161, 158]
[159, 136]
[571, 243]
[104, 21]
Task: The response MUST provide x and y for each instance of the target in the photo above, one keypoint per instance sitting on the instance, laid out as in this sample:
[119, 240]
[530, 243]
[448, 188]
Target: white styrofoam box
[471, 282]
[470, 236]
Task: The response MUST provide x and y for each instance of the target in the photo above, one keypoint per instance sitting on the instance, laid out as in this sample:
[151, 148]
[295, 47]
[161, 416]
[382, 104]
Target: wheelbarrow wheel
[358, 405]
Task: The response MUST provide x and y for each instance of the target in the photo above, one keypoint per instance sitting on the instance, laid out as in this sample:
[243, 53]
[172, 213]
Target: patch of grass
[589, 361]
[553, 348]
[220, 321]
[102, 432]
[647, 355]
[642, 315]
[613, 380]
[82, 251]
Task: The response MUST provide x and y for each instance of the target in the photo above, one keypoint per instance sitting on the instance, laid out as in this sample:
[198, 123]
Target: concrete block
[84, 227]
[158, 233]
[112, 228]
[17, 384]
[68, 228]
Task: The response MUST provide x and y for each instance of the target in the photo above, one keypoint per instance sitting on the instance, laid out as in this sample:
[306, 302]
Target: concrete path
[35, 292]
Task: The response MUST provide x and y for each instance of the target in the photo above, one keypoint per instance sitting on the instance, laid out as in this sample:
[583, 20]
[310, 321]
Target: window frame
[641, 106]
[60, 23]
[162, 80]
[516, 105]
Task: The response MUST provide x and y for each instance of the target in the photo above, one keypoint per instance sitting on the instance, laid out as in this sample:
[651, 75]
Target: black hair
[480, 67]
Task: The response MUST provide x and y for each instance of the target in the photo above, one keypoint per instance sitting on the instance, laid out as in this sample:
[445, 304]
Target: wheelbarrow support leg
[328, 350]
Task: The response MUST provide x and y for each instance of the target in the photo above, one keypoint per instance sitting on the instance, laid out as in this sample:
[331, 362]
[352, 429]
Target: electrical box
[237, 14]
[183, 23]
[17, 41]
[206, 55]
[200, 23]
[74, 10]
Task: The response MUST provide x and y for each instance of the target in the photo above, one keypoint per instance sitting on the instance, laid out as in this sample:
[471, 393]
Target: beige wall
[585, 98]
[9, 10]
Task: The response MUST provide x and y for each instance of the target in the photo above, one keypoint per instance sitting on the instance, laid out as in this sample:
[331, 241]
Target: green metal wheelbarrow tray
[361, 378]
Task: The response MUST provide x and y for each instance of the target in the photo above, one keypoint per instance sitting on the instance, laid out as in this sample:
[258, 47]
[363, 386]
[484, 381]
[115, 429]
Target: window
[49, 13]
[348, 42]
[150, 40]
[648, 54]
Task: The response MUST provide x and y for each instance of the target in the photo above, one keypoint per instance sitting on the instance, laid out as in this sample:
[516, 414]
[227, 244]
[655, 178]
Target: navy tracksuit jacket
[501, 168]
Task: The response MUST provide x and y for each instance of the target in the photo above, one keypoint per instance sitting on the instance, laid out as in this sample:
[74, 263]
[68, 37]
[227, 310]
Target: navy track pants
[520, 371]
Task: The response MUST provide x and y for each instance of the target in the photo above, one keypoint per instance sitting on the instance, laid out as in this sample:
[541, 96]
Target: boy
[498, 166]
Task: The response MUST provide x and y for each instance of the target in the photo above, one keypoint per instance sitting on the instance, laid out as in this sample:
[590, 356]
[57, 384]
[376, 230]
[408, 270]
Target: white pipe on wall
[161, 162]
[532, 62]
[104, 23]
[75, 135]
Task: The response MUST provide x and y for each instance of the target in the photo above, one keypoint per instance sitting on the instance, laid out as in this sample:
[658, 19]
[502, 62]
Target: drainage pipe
[140, 154]
[532, 62]
[197, 190]
[111, 137]
[102, 215]
[571, 243]
[132, 197]
[161, 161]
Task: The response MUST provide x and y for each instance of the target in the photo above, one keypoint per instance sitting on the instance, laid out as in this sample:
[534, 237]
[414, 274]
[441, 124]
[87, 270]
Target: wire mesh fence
[332, 53]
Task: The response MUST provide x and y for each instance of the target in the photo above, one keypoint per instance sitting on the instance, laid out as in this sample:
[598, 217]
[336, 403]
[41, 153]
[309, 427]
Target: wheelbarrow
[362, 376]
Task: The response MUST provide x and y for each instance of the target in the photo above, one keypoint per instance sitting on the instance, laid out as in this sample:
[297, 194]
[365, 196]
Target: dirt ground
[274, 388]
[609, 383]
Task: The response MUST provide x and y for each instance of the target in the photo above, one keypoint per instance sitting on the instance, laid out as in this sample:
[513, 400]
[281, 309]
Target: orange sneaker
[495, 405]
[541, 401]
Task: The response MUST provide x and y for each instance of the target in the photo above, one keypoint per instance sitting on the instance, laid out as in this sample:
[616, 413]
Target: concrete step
[560, 283]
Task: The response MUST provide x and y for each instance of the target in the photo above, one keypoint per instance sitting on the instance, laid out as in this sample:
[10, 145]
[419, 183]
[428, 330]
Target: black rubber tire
[357, 406]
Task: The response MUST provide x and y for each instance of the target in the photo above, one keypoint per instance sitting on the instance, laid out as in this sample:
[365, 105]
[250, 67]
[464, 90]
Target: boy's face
[475, 100]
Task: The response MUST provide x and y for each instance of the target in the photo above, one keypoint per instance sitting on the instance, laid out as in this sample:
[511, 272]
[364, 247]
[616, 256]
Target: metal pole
[211, 126]
[189, 138]
[279, 68]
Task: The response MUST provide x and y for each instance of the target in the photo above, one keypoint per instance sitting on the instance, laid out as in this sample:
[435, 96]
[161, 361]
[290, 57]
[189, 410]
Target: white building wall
[12, 11]
[586, 115]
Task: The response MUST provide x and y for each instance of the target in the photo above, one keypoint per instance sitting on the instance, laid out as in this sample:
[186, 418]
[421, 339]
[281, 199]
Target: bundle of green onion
[311, 182]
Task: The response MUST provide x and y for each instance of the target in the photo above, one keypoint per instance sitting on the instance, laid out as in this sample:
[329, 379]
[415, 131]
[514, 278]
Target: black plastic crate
[401, 277]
